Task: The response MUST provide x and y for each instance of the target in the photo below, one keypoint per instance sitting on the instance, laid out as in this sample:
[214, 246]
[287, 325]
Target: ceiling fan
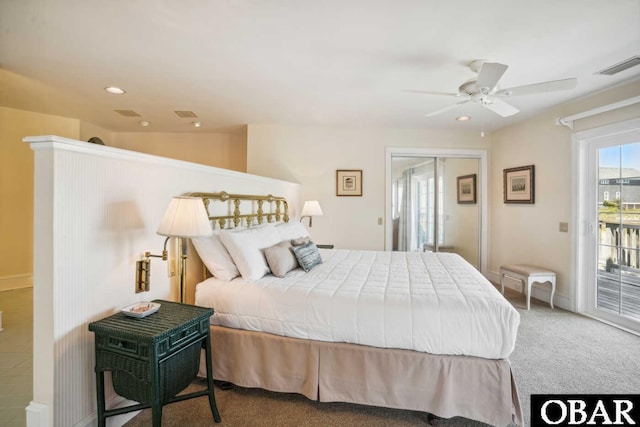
[484, 89]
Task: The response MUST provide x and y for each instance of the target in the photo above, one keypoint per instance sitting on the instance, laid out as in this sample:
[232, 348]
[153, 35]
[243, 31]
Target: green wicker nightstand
[154, 358]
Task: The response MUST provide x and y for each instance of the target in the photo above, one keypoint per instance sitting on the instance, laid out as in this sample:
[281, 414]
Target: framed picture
[349, 182]
[519, 185]
[467, 189]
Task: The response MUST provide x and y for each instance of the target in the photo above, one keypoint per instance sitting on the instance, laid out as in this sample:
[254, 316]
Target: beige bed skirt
[447, 386]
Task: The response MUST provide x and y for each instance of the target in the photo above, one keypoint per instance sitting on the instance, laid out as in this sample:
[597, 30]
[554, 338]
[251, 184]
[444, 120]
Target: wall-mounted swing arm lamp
[310, 209]
[143, 268]
[185, 217]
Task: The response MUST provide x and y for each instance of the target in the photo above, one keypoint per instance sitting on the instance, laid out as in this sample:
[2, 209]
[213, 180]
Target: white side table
[529, 274]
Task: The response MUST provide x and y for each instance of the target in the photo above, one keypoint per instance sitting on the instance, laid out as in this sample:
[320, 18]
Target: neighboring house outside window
[623, 183]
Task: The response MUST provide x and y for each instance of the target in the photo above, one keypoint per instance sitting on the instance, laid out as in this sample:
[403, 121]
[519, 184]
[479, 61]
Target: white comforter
[431, 302]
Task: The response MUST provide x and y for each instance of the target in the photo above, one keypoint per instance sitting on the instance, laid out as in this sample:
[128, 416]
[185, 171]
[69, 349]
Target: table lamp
[310, 209]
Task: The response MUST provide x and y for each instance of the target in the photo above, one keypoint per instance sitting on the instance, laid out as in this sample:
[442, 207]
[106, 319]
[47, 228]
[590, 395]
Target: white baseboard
[16, 281]
[539, 293]
[37, 415]
[116, 420]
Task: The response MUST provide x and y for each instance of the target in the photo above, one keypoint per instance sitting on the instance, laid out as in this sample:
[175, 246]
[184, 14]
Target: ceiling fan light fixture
[484, 90]
[114, 90]
[463, 118]
[196, 124]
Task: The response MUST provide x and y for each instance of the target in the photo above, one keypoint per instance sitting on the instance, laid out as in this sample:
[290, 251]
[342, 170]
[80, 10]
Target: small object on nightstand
[141, 309]
[325, 246]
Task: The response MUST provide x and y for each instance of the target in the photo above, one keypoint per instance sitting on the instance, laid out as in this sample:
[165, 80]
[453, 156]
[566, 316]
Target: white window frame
[582, 278]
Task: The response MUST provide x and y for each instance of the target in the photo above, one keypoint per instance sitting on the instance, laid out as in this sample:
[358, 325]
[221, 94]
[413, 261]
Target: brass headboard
[234, 218]
[276, 209]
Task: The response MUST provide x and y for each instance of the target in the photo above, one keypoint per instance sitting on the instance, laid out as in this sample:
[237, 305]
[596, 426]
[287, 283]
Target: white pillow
[292, 230]
[216, 257]
[245, 248]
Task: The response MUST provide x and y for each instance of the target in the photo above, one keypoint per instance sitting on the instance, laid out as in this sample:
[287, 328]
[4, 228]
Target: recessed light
[463, 118]
[196, 124]
[114, 90]
[144, 123]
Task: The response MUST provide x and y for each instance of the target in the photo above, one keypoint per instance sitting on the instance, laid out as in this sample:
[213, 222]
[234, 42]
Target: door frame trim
[482, 188]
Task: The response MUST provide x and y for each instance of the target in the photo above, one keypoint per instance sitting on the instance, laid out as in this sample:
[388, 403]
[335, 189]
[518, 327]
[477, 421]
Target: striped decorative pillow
[307, 255]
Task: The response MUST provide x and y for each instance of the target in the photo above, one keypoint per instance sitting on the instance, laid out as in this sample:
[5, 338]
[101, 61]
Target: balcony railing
[618, 285]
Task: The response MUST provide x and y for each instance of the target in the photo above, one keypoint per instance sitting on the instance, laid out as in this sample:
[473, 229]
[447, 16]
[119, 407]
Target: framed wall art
[519, 185]
[467, 189]
[349, 182]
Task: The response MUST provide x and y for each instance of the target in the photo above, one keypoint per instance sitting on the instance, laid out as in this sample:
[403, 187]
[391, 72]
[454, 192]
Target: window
[606, 196]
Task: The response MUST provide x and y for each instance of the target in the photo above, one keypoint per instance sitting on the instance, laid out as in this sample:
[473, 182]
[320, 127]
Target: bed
[416, 331]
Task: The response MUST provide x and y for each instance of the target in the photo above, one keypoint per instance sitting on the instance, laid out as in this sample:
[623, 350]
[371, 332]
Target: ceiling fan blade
[489, 75]
[447, 108]
[501, 108]
[427, 92]
[539, 87]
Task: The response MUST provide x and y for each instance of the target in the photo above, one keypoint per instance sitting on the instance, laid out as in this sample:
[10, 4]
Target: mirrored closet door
[435, 205]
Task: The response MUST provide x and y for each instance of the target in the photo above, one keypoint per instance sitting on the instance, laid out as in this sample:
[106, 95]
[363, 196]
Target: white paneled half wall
[97, 209]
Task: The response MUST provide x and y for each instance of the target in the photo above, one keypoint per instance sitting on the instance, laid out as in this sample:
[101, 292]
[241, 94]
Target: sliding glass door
[607, 240]
[618, 231]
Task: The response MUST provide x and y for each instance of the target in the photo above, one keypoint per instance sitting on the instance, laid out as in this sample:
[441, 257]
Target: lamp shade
[185, 217]
[311, 208]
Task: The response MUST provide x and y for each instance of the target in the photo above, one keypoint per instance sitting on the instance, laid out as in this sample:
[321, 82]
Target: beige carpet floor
[556, 352]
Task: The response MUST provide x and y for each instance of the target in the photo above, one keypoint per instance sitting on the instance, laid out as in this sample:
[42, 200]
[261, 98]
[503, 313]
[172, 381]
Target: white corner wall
[96, 212]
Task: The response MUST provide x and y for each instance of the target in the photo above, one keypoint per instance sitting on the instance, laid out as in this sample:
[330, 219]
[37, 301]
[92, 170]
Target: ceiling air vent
[620, 66]
[186, 114]
[127, 113]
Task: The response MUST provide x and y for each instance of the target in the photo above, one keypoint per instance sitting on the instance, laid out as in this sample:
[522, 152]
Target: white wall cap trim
[53, 142]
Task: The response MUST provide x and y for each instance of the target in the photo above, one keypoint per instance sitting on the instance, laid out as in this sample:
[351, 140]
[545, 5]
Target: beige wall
[311, 156]
[462, 221]
[223, 150]
[16, 188]
[530, 233]
[89, 130]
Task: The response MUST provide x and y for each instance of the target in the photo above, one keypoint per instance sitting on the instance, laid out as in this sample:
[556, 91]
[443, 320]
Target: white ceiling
[324, 62]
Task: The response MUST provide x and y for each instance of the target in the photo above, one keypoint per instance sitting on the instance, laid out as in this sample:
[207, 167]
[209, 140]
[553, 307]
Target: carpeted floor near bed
[556, 352]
